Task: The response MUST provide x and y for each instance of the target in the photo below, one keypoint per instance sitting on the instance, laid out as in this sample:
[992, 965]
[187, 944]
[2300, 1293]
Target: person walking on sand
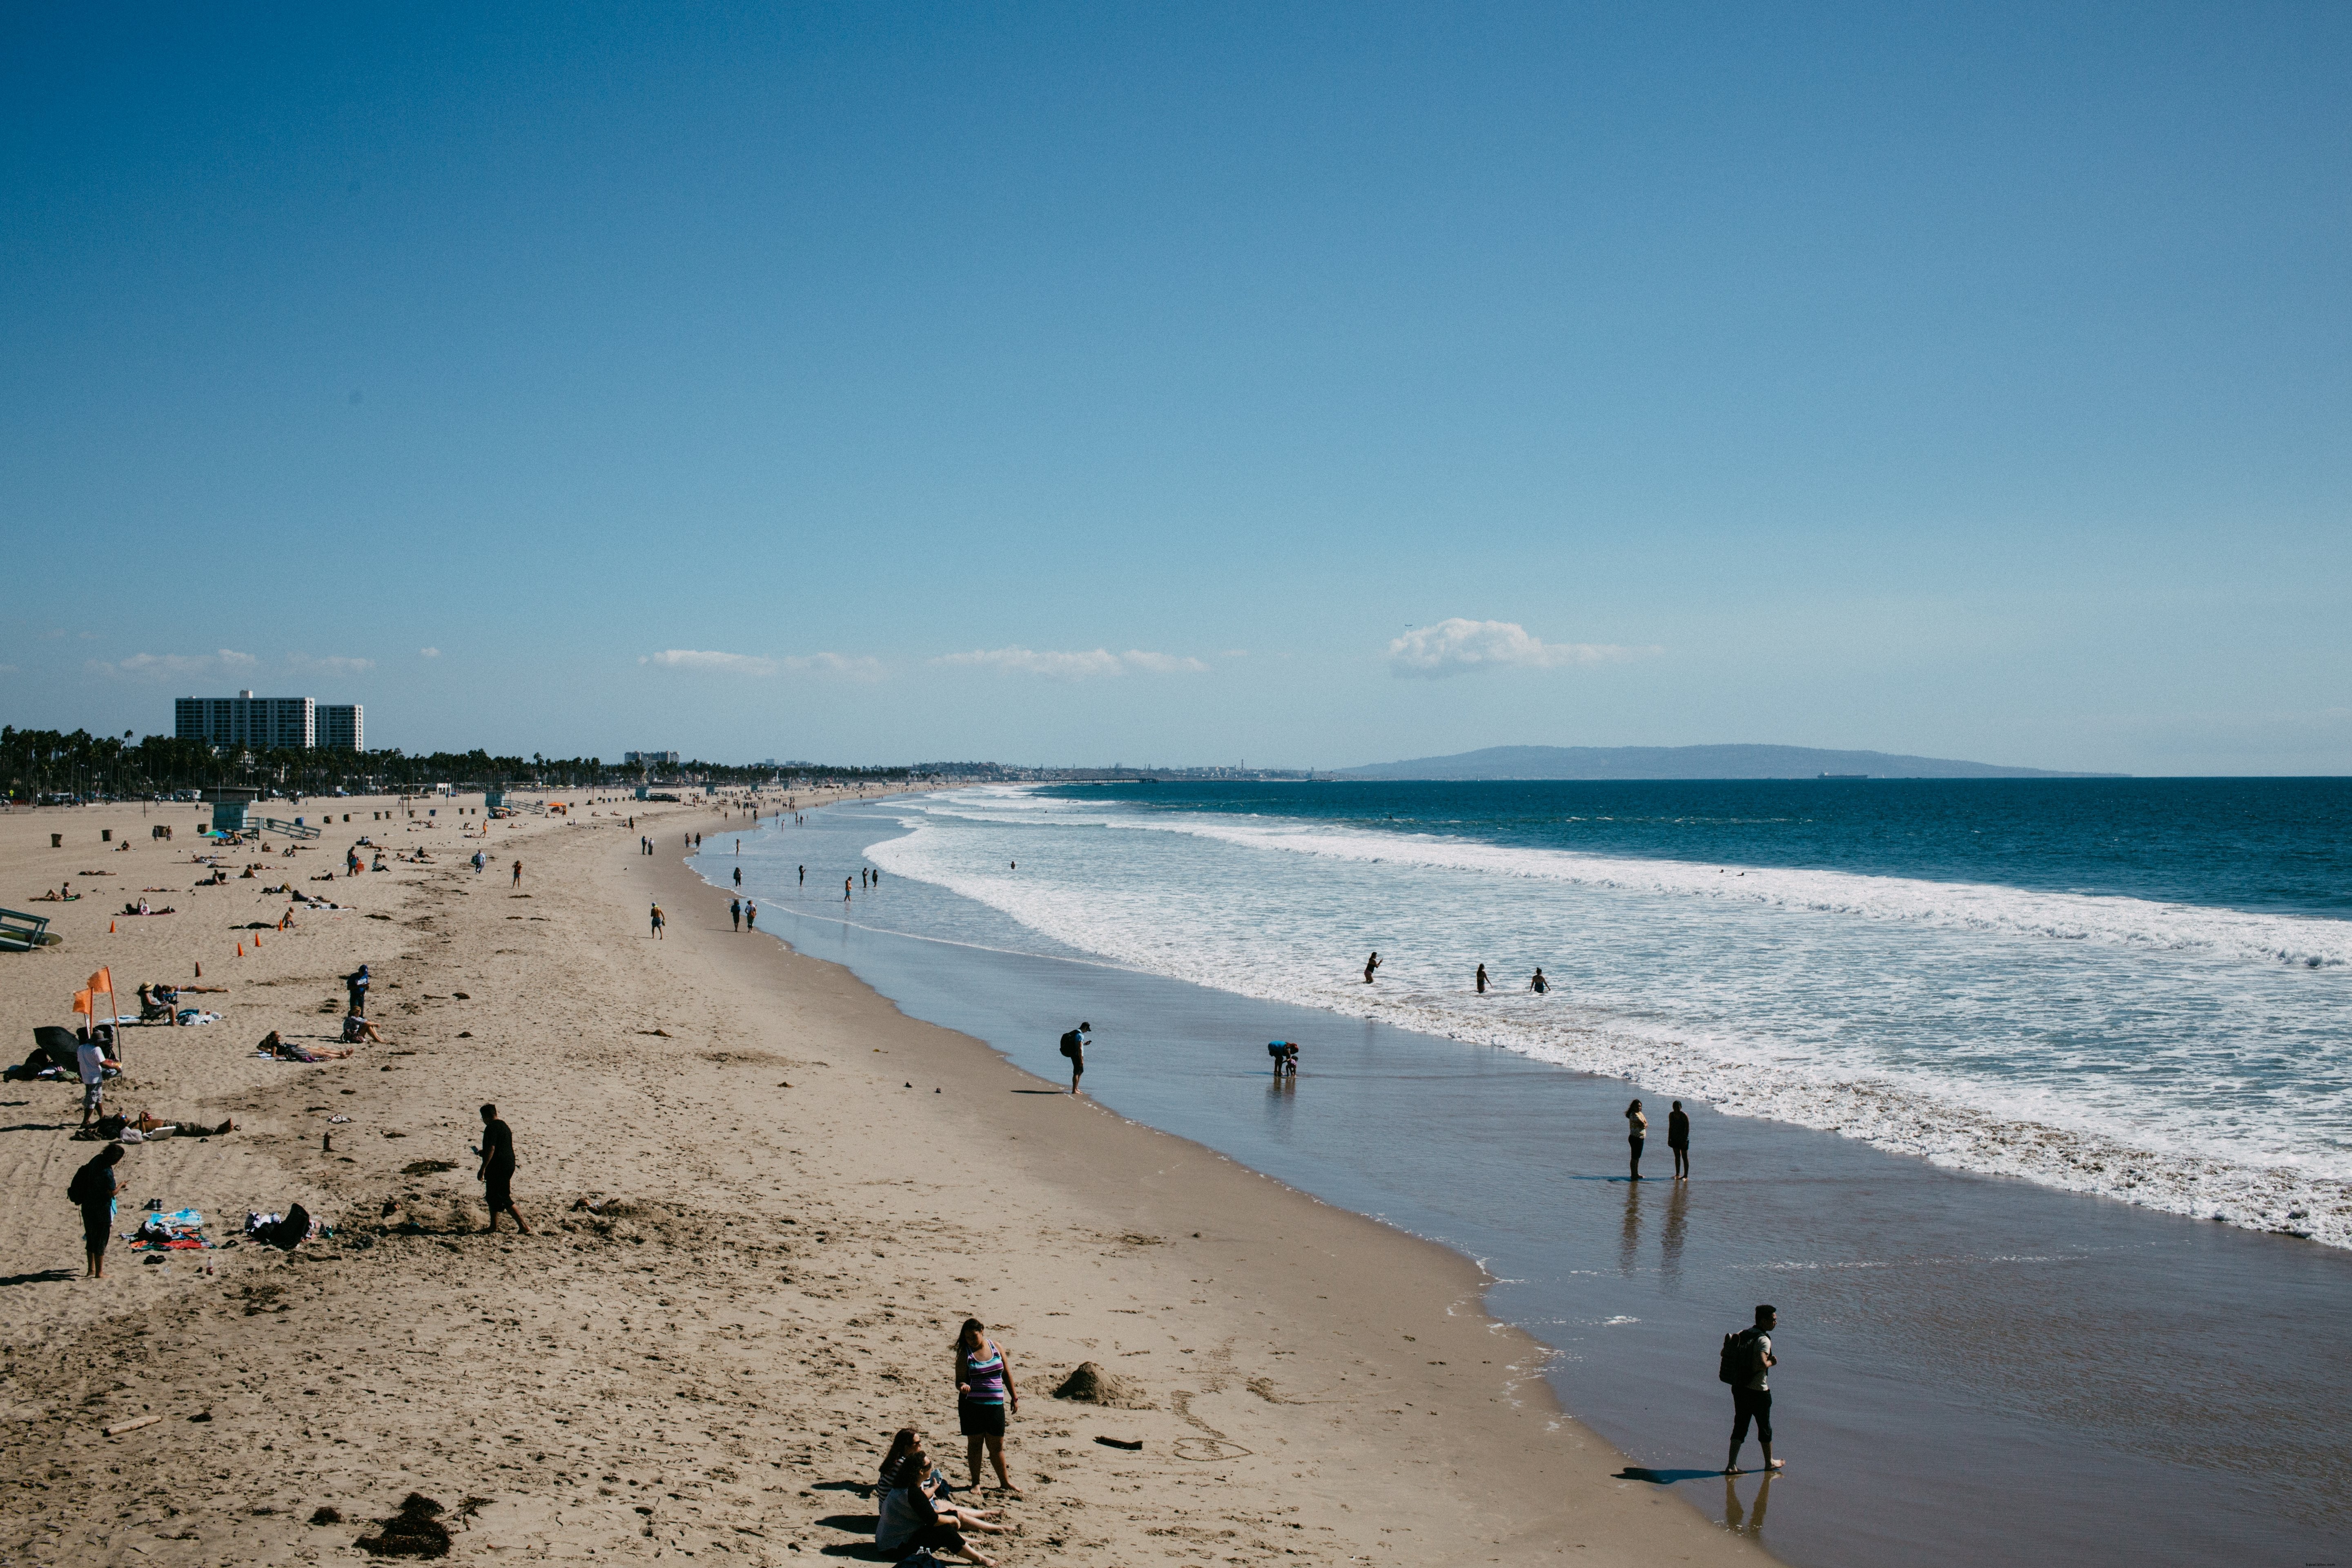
[1074, 1046]
[1678, 1141]
[1370, 965]
[1637, 1133]
[1747, 1363]
[89, 1058]
[658, 923]
[750, 915]
[735, 913]
[517, 875]
[498, 1169]
[984, 1398]
[92, 1190]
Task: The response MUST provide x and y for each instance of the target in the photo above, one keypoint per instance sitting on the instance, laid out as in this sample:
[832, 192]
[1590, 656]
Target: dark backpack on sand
[1741, 1360]
[1070, 1044]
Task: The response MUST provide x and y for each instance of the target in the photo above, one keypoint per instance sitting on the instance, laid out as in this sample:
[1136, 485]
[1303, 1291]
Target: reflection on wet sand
[1748, 1521]
[1670, 1247]
[1628, 1243]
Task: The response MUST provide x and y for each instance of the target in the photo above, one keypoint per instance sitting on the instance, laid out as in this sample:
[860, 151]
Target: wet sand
[799, 1192]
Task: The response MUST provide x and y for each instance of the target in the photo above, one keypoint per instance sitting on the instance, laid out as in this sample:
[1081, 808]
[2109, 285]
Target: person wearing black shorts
[92, 1190]
[498, 1169]
[1751, 1396]
[1678, 1140]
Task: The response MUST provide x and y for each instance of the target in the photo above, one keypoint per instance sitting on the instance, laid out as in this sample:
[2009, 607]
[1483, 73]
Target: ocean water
[2133, 988]
[1976, 1367]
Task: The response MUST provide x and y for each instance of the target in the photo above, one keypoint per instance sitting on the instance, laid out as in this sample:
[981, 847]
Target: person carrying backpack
[92, 1190]
[1074, 1046]
[1747, 1365]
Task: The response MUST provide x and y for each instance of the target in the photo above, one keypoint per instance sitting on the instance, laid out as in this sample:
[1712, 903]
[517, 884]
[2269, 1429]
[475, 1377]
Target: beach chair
[21, 933]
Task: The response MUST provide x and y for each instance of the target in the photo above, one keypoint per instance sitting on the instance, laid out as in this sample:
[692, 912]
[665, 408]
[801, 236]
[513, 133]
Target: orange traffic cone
[257, 941]
[110, 928]
[240, 949]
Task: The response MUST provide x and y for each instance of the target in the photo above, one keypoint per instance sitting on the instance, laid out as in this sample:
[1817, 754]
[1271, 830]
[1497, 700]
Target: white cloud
[1457, 646]
[1163, 663]
[711, 660]
[178, 666]
[428, 653]
[1073, 665]
[857, 668]
[333, 664]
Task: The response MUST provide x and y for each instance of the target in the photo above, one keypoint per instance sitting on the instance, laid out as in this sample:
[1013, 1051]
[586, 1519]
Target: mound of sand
[1091, 1383]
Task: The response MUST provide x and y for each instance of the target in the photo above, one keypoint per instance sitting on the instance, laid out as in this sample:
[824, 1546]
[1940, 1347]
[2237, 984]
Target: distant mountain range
[1691, 762]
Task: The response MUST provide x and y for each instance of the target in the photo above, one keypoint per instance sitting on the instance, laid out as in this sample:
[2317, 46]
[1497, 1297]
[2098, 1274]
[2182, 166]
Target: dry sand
[801, 1192]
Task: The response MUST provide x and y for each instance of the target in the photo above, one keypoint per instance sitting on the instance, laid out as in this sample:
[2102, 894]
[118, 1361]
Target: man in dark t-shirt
[92, 1190]
[498, 1169]
[1678, 1140]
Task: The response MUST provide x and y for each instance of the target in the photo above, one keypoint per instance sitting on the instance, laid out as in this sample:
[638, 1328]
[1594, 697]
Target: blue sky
[1313, 384]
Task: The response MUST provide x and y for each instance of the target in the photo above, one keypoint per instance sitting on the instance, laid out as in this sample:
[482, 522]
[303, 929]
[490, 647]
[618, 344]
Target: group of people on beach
[918, 1511]
[1637, 1133]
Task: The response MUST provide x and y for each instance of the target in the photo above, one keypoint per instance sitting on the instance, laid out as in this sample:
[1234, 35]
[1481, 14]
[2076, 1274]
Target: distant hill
[1691, 762]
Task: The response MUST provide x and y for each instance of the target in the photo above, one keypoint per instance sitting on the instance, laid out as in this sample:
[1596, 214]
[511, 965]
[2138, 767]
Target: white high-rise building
[339, 727]
[268, 724]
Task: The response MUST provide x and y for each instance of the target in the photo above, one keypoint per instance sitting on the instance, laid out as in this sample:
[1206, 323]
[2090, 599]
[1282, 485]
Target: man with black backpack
[1074, 1046]
[1747, 1363]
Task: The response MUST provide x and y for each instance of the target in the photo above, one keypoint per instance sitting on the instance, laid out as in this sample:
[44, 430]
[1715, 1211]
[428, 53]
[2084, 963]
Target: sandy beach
[797, 1193]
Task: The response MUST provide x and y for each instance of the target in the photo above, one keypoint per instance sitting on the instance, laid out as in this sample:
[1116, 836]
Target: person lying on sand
[276, 1046]
[909, 1518]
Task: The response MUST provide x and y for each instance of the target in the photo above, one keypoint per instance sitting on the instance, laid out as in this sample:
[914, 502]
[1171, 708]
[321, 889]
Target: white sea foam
[2187, 1058]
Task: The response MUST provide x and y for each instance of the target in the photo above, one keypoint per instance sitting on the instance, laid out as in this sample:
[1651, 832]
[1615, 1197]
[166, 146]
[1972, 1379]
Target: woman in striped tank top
[984, 1397]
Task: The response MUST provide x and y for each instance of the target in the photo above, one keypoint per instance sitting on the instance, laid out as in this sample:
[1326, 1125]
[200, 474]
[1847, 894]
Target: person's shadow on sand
[862, 1525]
[1662, 1478]
[39, 1277]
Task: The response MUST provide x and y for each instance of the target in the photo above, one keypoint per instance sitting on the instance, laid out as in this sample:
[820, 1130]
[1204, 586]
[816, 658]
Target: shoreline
[2030, 1429]
[1326, 1387]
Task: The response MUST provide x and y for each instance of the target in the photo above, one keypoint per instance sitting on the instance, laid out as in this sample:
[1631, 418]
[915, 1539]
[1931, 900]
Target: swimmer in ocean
[1539, 985]
[1481, 980]
[1370, 965]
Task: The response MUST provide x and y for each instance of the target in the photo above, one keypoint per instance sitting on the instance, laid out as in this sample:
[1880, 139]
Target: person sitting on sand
[984, 1398]
[910, 1518]
[357, 1028]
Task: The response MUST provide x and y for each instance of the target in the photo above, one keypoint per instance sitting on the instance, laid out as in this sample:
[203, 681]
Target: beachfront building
[268, 724]
[649, 759]
[339, 727]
